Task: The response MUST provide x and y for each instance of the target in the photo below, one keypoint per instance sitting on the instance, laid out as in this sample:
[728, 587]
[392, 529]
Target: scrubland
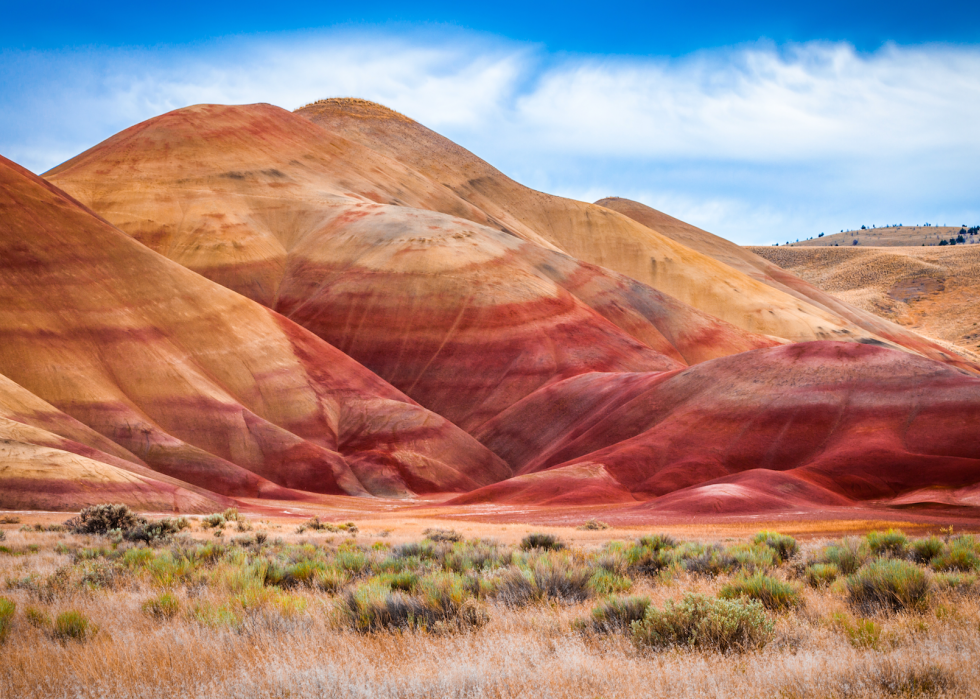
[227, 606]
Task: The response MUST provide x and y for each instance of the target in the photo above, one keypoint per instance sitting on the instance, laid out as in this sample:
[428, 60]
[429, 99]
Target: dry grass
[168, 637]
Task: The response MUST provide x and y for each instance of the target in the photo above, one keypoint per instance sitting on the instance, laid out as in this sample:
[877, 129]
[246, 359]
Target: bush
[657, 542]
[101, 519]
[647, 560]
[848, 555]
[889, 584]
[605, 582]
[593, 525]
[166, 606]
[150, 532]
[619, 613]
[73, 626]
[443, 535]
[892, 543]
[214, 521]
[924, 550]
[960, 554]
[700, 559]
[784, 546]
[443, 601]
[772, 593]
[37, 618]
[3, 535]
[557, 578]
[821, 574]
[7, 609]
[548, 542]
[9, 519]
[705, 623]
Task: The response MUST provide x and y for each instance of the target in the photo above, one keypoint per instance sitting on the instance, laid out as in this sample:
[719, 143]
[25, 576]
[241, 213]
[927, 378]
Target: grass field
[250, 608]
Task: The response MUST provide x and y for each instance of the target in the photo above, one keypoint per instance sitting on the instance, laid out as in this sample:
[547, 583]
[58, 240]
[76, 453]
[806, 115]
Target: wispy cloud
[758, 142]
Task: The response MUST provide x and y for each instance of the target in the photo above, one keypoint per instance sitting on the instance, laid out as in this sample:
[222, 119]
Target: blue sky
[761, 123]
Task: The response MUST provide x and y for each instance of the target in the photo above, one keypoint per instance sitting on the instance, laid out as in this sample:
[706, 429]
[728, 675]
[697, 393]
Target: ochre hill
[843, 422]
[193, 380]
[934, 291]
[758, 264]
[465, 318]
[893, 236]
[601, 236]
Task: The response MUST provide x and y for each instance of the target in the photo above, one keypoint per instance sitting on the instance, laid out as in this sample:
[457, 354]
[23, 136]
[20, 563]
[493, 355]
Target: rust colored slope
[592, 233]
[195, 380]
[42, 471]
[862, 421]
[464, 318]
[754, 265]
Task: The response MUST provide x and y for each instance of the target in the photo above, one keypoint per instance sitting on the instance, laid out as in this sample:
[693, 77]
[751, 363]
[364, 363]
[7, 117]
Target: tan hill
[893, 236]
[465, 318]
[934, 291]
[761, 267]
[193, 380]
[599, 235]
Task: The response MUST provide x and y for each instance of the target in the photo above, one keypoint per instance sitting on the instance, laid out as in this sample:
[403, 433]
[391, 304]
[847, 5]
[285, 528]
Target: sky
[762, 123]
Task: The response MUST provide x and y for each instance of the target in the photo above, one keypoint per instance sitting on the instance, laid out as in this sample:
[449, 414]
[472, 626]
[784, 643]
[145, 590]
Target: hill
[895, 236]
[932, 290]
[190, 379]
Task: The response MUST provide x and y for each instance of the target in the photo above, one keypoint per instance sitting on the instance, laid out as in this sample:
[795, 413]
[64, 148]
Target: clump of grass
[593, 525]
[606, 582]
[699, 622]
[214, 521]
[439, 535]
[784, 546]
[9, 519]
[149, 532]
[821, 574]
[443, 602]
[892, 542]
[618, 613]
[848, 555]
[3, 535]
[38, 618]
[166, 606]
[7, 609]
[702, 559]
[924, 550]
[538, 540]
[558, 578]
[774, 594]
[889, 584]
[73, 626]
[961, 553]
[956, 581]
[862, 633]
[101, 519]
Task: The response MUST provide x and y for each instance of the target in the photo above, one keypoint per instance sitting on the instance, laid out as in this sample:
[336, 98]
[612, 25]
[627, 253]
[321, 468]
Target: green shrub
[848, 555]
[959, 555]
[7, 609]
[101, 519]
[705, 623]
[619, 613]
[753, 557]
[956, 581]
[657, 542]
[821, 574]
[701, 559]
[647, 560]
[440, 535]
[593, 525]
[37, 618]
[784, 546]
[537, 540]
[3, 535]
[443, 601]
[213, 521]
[889, 584]
[166, 606]
[892, 542]
[924, 550]
[605, 582]
[774, 594]
[149, 532]
[73, 626]
[862, 633]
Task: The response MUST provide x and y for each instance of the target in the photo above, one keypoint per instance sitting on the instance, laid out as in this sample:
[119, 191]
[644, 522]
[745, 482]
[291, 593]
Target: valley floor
[251, 607]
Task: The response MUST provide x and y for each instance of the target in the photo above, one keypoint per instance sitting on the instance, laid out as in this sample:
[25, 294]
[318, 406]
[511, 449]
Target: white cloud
[751, 142]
